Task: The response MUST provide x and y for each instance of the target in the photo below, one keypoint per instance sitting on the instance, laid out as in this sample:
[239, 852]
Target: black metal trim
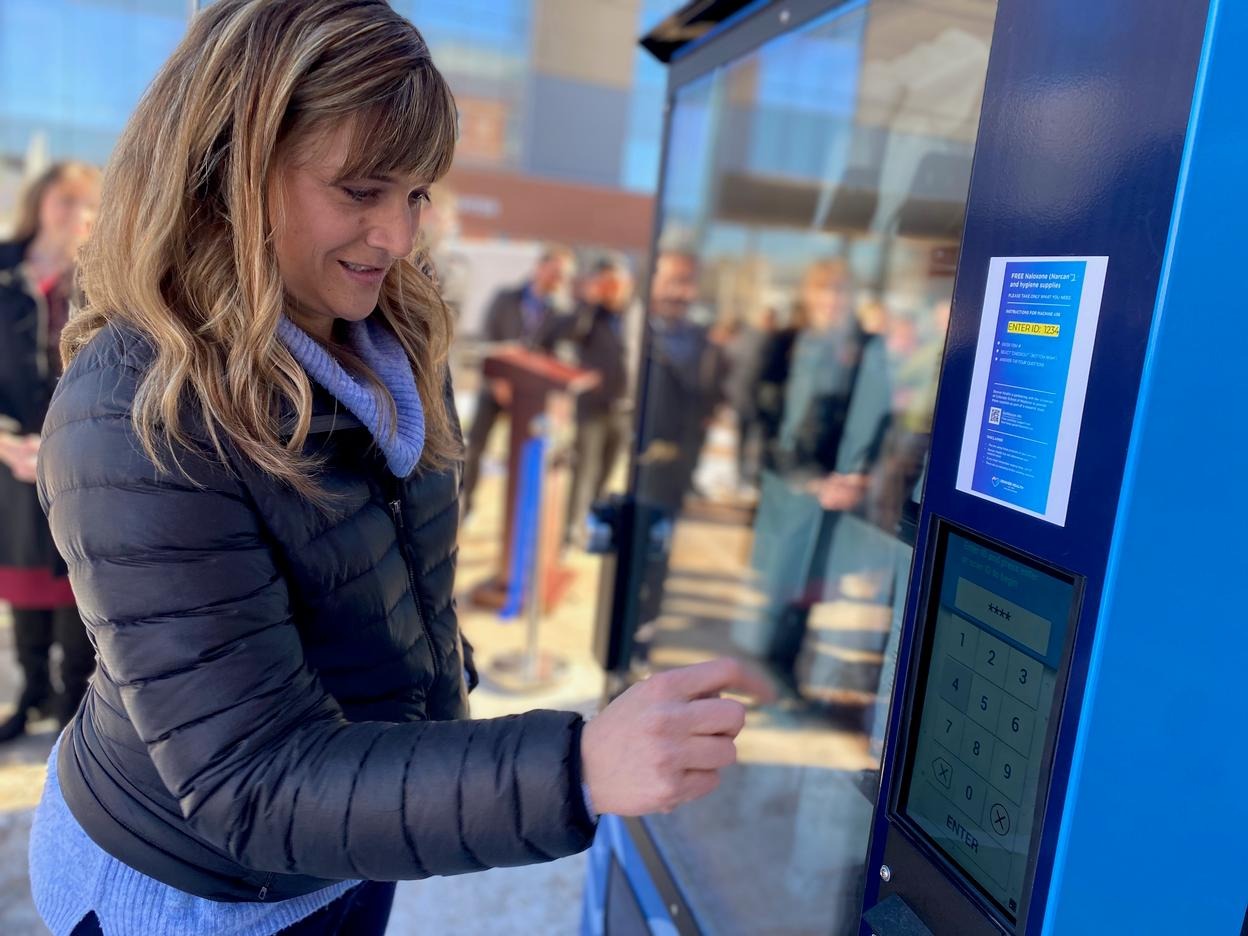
[696, 21]
[742, 36]
[661, 876]
[617, 881]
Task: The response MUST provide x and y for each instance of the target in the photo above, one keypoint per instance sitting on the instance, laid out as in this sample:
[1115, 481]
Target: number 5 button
[985, 703]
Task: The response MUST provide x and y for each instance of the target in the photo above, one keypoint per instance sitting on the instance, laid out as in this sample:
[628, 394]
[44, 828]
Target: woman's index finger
[726, 674]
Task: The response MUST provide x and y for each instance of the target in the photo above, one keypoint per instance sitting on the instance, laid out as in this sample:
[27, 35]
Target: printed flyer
[1030, 381]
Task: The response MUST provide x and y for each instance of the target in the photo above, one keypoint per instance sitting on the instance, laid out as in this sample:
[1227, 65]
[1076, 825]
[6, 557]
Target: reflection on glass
[813, 196]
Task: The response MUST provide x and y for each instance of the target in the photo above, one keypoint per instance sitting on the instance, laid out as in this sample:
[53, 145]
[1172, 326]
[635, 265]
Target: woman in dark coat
[252, 469]
[36, 278]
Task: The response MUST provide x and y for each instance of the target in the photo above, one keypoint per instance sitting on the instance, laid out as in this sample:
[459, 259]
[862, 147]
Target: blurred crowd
[826, 404]
[36, 294]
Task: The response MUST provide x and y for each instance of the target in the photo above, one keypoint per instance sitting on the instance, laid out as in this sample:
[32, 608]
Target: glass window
[640, 168]
[812, 208]
[72, 72]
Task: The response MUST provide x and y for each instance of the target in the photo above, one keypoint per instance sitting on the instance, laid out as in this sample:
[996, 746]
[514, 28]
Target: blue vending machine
[1065, 751]
[1007, 616]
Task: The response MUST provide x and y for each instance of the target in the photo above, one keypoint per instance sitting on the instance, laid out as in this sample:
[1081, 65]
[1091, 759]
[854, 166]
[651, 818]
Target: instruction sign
[1030, 380]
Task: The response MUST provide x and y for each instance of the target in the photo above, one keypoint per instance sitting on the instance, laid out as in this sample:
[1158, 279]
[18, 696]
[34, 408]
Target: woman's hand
[501, 390]
[663, 742]
[840, 491]
[20, 454]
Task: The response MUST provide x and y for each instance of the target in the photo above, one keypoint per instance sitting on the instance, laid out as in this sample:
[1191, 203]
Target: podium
[543, 393]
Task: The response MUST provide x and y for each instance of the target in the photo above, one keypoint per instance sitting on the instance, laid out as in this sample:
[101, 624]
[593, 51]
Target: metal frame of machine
[1109, 128]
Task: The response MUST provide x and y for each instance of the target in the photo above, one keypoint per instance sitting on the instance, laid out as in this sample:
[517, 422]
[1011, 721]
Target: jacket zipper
[264, 888]
[396, 512]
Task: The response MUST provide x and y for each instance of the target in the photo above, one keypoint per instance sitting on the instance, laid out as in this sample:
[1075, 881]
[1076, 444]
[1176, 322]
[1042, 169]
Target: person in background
[686, 365]
[251, 466]
[773, 377]
[36, 283]
[746, 352]
[837, 399]
[836, 409]
[515, 315]
[683, 386]
[592, 337]
[915, 350]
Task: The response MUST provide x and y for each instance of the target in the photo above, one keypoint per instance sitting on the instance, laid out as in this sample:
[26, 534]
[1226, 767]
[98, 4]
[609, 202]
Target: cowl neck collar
[403, 444]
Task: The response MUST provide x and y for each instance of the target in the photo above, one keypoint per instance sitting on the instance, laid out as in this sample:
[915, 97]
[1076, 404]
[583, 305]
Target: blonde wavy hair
[182, 251]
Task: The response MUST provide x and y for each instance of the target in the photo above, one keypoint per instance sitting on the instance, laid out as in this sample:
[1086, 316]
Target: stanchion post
[530, 670]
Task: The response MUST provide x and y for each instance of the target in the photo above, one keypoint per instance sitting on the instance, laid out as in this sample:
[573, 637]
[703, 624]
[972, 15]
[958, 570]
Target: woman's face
[68, 210]
[827, 297]
[336, 238]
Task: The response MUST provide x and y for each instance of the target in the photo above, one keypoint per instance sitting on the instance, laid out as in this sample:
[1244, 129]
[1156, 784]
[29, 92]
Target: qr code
[994, 416]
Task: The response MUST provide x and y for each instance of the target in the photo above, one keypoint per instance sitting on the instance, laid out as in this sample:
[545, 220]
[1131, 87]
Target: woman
[836, 409]
[36, 277]
[251, 466]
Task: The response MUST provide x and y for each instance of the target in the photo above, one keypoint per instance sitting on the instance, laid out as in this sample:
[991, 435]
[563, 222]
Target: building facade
[553, 94]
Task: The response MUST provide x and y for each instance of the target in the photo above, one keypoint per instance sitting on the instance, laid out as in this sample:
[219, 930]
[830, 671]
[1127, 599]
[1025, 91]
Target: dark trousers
[487, 414]
[599, 440]
[34, 633]
[790, 616]
[362, 911]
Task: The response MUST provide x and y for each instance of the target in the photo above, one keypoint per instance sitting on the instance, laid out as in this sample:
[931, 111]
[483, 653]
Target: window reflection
[813, 196]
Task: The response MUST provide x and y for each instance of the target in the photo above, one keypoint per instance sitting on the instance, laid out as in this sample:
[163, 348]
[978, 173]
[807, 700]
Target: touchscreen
[999, 630]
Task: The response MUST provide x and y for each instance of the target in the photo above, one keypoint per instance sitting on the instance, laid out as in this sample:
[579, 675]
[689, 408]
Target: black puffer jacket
[279, 693]
[596, 336]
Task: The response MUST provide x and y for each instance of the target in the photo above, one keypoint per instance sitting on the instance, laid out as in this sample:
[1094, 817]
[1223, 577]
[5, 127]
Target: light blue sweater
[381, 351]
[71, 876]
